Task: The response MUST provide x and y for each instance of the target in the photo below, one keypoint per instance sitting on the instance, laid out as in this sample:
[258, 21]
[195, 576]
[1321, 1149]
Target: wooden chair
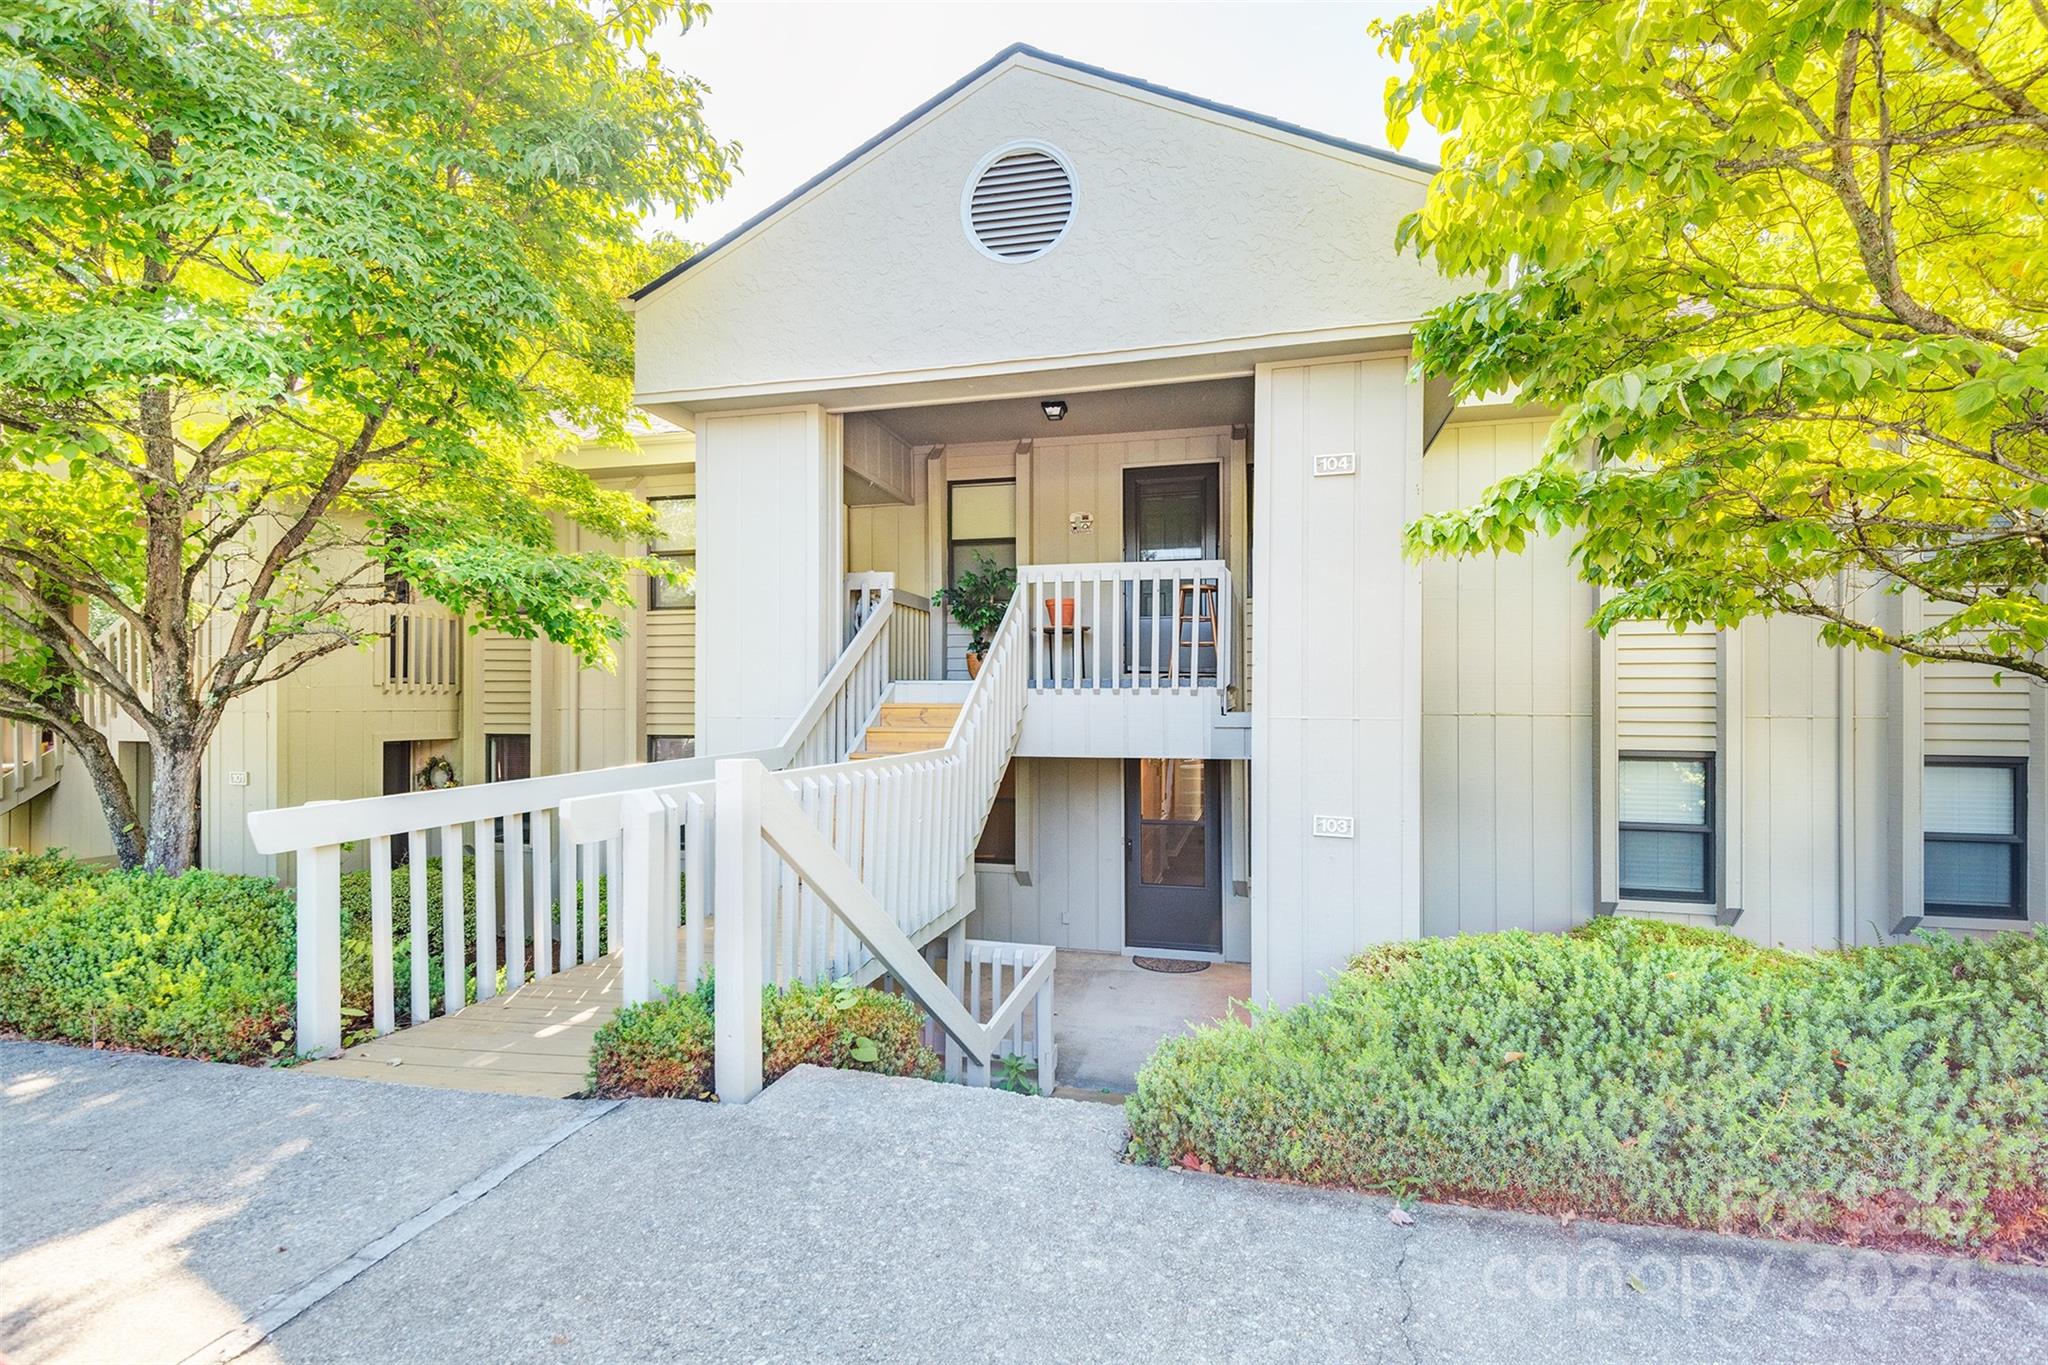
[1195, 604]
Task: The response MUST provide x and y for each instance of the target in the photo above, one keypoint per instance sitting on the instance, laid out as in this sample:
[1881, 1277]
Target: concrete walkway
[149, 1209]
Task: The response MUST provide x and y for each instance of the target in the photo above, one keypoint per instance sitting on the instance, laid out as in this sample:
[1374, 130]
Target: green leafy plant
[1019, 1075]
[978, 599]
[1778, 269]
[1892, 1096]
[198, 965]
[664, 1048]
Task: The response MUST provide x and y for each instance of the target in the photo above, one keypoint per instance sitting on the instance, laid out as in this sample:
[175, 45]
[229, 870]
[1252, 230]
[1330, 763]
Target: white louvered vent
[1020, 206]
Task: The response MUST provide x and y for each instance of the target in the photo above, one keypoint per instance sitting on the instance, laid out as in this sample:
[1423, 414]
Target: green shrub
[198, 965]
[1640, 1071]
[664, 1048]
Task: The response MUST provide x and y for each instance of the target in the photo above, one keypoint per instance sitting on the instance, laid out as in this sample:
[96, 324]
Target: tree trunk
[174, 807]
[117, 803]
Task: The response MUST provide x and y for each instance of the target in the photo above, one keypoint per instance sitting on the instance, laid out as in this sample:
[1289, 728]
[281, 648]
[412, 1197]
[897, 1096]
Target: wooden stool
[1196, 603]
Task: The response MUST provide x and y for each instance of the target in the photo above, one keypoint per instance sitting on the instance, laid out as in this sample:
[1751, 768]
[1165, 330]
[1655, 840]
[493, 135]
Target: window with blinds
[1667, 827]
[1974, 815]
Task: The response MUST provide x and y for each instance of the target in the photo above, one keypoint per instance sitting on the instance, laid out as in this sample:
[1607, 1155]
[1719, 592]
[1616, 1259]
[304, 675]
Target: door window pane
[1664, 791]
[1967, 799]
[1172, 522]
[1173, 855]
[1173, 832]
[1171, 789]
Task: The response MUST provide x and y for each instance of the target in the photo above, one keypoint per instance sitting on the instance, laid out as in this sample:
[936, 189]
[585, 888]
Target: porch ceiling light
[1053, 408]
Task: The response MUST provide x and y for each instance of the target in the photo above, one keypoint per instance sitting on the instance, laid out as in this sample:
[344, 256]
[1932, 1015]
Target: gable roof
[1009, 53]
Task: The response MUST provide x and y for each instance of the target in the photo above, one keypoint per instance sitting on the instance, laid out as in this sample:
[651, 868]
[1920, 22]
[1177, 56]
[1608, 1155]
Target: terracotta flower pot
[974, 665]
[1059, 611]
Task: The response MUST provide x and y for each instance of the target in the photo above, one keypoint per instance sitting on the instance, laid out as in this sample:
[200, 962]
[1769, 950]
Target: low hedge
[1893, 1096]
[197, 965]
[664, 1048]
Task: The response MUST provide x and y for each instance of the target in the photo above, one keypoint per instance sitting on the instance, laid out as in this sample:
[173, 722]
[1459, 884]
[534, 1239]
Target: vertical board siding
[1789, 803]
[1507, 713]
[1338, 655]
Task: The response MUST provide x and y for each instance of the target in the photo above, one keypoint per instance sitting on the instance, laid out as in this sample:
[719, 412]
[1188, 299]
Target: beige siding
[671, 671]
[505, 680]
[1971, 709]
[1507, 714]
[1338, 654]
[1666, 686]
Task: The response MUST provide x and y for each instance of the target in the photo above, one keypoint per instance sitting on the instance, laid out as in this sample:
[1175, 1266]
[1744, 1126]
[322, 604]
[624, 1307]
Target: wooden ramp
[534, 1041]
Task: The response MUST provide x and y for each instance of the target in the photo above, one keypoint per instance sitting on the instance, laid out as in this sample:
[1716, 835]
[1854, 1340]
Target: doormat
[1172, 966]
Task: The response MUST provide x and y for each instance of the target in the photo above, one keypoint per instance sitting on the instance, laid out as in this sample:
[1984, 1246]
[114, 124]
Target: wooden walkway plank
[532, 1041]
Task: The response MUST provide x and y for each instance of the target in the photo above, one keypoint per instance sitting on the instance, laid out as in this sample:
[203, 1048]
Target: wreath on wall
[439, 772]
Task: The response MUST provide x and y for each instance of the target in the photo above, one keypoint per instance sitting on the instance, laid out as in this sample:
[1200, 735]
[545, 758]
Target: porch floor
[532, 1041]
[1109, 1014]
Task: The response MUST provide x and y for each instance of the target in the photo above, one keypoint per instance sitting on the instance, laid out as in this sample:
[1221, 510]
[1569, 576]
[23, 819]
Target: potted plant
[977, 600]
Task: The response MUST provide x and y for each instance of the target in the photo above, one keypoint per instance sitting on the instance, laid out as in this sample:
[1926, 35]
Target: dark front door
[397, 782]
[1170, 515]
[1173, 855]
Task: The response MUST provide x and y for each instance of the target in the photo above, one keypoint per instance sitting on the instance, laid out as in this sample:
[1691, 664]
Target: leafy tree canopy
[295, 293]
[1781, 267]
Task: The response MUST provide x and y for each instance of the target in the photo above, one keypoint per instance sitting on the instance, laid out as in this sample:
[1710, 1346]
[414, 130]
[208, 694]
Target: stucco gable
[1195, 226]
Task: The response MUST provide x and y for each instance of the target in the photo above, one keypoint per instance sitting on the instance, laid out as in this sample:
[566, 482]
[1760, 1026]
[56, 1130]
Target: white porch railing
[839, 869]
[420, 649]
[536, 878]
[988, 978]
[1146, 627]
[30, 760]
[127, 651]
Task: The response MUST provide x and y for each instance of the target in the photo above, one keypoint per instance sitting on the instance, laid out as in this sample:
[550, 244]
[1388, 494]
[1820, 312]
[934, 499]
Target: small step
[916, 715]
[908, 728]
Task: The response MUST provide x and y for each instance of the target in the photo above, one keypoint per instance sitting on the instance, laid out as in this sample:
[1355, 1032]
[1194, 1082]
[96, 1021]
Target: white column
[737, 940]
[1337, 728]
[770, 560]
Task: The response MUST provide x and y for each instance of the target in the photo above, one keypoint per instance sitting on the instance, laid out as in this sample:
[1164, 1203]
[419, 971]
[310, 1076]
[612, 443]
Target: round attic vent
[1019, 202]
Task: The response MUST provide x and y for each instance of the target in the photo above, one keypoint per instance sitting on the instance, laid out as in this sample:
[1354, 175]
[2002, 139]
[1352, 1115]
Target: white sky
[799, 85]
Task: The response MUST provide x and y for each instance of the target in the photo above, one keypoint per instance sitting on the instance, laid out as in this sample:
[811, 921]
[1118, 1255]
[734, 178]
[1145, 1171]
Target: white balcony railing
[420, 649]
[1120, 628]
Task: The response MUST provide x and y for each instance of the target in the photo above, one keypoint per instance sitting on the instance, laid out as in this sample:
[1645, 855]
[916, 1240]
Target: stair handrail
[878, 860]
[847, 696]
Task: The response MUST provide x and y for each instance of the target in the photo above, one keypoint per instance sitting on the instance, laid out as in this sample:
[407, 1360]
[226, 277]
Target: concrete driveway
[154, 1210]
